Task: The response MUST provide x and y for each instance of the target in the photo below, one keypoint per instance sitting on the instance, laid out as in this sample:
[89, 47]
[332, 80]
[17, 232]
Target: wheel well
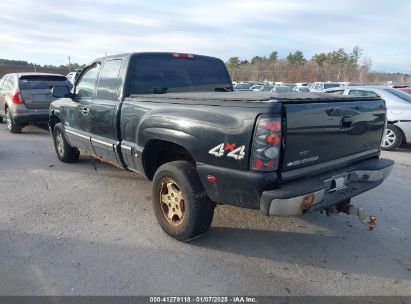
[404, 140]
[53, 120]
[159, 152]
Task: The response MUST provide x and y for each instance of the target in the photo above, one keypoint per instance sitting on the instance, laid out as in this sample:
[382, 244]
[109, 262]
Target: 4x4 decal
[236, 153]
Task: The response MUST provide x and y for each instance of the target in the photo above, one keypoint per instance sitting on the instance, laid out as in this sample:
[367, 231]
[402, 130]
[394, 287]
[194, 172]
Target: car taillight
[16, 98]
[266, 144]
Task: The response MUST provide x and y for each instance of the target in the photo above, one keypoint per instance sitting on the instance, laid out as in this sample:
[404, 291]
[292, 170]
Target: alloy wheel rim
[60, 144]
[389, 138]
[172, 203]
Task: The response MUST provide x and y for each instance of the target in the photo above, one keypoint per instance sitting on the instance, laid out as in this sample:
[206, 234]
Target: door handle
[85, 111]
[347, 122]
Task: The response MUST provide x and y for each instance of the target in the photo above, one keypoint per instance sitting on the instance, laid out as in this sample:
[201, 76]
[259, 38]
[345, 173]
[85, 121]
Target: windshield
[400, 94]
[42, 82]
[162, 73]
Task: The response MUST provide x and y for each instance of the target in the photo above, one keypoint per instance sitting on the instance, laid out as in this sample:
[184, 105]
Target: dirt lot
[89, 229]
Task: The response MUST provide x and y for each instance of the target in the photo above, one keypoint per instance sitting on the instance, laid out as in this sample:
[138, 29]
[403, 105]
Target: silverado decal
[236, 153]
[303, 161]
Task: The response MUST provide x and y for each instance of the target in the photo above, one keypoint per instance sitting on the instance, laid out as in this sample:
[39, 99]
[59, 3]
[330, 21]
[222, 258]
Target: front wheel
[392, 138]
[180, 203]
[64, 151]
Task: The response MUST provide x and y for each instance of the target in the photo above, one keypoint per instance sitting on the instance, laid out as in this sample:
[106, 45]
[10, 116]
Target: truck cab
[176, 119]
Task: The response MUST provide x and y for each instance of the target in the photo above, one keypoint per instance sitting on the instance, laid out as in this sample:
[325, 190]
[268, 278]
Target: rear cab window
[165, 73]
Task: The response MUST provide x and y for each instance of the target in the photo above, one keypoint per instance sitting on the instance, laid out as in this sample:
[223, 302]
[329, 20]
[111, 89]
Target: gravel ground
[89, 229]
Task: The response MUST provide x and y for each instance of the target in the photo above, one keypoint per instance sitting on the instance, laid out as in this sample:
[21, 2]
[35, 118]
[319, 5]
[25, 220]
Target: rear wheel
[12, 126]
[392, 138]
[64, 151]
[180, 203]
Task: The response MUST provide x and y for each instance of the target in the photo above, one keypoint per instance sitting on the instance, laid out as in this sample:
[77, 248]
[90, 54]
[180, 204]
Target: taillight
[266, 144]
[16, 98]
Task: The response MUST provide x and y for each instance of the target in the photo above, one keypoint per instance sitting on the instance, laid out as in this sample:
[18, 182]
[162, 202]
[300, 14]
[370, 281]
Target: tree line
[32, 65]
[337, 65]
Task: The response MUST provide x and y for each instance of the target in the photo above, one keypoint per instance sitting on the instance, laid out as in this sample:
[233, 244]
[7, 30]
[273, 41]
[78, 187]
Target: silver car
[398, 111]
[25, 98]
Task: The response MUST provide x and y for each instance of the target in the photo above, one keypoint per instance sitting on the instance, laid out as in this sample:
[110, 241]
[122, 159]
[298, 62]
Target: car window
[8, 83]
[303, 89]
[362, 93]
[330, 85]
[107, 85]
[42, 82]
[316, 86]
[87, 83]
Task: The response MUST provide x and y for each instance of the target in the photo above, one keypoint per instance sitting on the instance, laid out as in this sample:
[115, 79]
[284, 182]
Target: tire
[12, 126]
[392, 138]
[65, 152]
[177, 185]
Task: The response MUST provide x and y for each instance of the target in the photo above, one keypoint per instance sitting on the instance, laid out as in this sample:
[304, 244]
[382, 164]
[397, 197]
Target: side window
[370, 94]
[8, 83]
[361, 93]
[86, 84]
[107, 84]
[316, 86]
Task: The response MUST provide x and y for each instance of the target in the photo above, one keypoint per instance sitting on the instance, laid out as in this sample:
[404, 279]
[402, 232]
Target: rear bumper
[31, 115]
[326, 190]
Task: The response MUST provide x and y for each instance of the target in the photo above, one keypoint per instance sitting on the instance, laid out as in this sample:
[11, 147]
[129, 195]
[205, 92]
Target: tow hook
[352, 210]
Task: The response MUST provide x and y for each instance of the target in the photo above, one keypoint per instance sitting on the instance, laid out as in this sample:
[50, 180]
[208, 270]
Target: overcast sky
[47, 31]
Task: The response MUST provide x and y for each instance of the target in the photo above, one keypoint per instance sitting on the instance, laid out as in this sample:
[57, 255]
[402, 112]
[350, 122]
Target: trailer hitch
[350, 209]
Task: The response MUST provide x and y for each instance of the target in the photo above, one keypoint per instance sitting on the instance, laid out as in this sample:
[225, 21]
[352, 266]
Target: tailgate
[37, 99]
[323, 136]
[36, 89]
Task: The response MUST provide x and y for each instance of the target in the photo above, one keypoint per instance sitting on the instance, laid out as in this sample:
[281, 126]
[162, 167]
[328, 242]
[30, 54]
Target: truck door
[77, 124]
[103, 111]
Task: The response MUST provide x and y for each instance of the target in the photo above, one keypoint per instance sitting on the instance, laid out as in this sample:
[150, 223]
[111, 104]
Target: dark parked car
[25, 98]
[175, 119]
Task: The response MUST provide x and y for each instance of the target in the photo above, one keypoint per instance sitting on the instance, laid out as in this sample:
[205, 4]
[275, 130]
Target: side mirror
[60, 91]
